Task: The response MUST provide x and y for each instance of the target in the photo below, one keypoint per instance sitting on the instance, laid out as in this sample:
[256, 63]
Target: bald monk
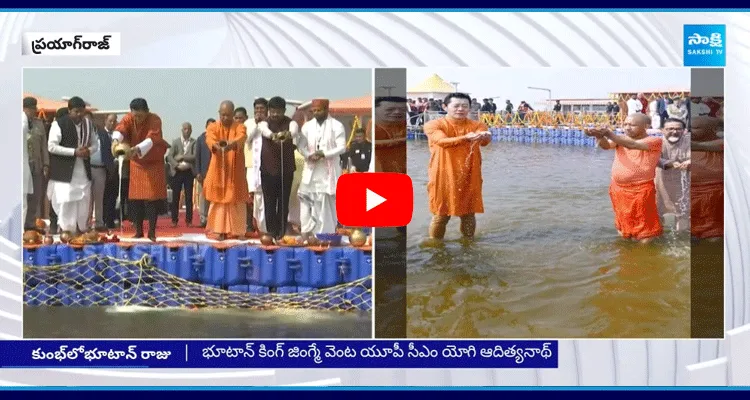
[706, 179]
[632, 189]
[455, 170]
[390, 134]
[147, 190]
[226, 185]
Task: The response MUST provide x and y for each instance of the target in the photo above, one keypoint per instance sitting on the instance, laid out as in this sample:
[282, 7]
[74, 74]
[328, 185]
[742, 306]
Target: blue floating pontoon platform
[54, 273]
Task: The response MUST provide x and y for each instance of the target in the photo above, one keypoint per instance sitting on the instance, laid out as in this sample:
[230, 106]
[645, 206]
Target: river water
[137, 323]
[547, 261]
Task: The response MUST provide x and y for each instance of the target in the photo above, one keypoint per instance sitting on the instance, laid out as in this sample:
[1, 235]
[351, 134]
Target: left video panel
[192, 203]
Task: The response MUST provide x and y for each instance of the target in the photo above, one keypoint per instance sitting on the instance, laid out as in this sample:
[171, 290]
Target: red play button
[374, 199]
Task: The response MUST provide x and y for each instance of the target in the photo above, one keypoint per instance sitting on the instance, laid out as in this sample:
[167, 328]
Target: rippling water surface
[135, 322]
[547, 261]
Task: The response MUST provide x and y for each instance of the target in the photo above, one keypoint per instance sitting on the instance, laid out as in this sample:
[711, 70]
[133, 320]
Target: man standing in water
[390, 134]
[632, 189]
[672, 177]
[455, 170]
[707, 180]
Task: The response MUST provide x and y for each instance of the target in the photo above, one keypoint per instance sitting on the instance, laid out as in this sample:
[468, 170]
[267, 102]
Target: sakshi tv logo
[704, 46]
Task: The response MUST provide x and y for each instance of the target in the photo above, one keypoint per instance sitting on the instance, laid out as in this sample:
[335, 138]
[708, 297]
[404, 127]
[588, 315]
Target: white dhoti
[259, 212]
[655, 121]
[253, 185]
[71, 200]
[317, 191]
[294, 203]
[294, 216]
[318, 213]
[27, 186]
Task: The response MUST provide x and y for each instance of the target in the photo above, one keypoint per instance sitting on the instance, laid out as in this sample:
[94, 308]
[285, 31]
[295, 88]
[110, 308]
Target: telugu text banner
[278, 354]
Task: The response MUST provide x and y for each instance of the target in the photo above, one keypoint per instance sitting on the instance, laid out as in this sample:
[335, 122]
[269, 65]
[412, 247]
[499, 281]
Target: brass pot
[91, 237]
[266, 240]
[48, 240]
[357, 238]
[313, 241]
[66, 237]
[32, 237]
[120, 149]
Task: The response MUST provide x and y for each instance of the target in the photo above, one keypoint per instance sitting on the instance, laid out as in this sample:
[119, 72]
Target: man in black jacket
[202, 160]
[360, 151]
[72, 140]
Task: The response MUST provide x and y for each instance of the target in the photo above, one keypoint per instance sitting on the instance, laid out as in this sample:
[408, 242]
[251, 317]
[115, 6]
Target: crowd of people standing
[678, 173]
[265, 173]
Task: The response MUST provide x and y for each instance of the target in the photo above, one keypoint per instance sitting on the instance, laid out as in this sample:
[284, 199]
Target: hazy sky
[513, 83]
[193, 95]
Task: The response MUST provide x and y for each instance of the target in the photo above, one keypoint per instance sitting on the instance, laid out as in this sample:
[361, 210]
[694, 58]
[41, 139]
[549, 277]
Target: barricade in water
[548, 135]
[198, 275]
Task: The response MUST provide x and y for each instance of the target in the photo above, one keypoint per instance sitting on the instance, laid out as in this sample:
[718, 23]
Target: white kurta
[317, 190]
[70, 200]
[28, 184]
[700, 109]
[254, 145]
[634, 106]
[653, 112]
[294, 204]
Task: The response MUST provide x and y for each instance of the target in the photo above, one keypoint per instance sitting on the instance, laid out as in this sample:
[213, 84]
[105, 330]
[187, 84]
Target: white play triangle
[373, 200]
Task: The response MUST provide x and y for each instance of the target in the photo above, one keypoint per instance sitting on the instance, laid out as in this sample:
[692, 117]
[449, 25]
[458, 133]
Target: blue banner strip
[278, 354]
[590, 392]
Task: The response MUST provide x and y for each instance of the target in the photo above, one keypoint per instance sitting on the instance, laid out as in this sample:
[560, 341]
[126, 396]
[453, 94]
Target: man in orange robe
[225, 185]
[390, 134]
[632, 188]
[706, 179]
[147, 190]
[455, 170]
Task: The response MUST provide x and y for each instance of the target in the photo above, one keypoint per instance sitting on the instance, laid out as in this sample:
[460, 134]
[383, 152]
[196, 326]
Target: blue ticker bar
[278, 354]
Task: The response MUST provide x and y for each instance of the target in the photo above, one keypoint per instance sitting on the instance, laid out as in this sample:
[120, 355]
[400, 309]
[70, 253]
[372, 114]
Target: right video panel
[555, 203]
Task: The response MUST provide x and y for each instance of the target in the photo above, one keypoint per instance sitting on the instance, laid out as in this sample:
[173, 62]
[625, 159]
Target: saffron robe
[389, 157]
[225, 186]
[633, 192]
[454, 185]
[147, 174]
[707, 194]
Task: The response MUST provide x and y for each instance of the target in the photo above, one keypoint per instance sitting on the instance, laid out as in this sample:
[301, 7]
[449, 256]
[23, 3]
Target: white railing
[731, 370]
